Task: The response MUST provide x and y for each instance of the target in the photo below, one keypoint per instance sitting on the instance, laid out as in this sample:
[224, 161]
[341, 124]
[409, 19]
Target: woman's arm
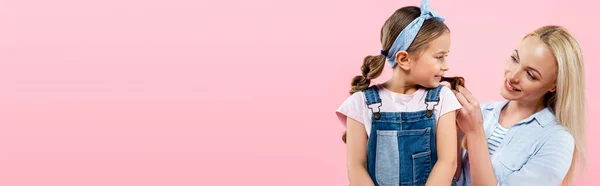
[470, 121]
[482, 172]
[356, 149]
[445, 138]
[459, 153]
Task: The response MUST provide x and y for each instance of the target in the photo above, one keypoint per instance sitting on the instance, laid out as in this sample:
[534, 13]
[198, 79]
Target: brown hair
[373, 65]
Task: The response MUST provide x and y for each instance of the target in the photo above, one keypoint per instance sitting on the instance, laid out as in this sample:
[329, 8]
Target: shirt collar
[543, 117]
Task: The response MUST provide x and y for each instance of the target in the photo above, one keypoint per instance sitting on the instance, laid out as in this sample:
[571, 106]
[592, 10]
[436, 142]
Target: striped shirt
[496, 139]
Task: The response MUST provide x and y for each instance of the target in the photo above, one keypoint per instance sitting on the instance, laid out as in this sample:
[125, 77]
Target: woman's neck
[516, 111]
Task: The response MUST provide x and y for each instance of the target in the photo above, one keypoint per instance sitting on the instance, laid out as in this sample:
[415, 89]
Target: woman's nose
[513, 77]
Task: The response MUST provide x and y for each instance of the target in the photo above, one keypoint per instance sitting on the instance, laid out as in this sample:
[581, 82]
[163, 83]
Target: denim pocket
[421, 167]
[387, 158]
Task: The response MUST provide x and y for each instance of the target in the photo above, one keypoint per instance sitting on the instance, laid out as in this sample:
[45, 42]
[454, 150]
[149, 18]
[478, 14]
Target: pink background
[133, 92]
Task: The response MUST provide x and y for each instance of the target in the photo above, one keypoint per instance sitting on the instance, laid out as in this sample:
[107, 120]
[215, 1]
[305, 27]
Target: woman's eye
[530, 75]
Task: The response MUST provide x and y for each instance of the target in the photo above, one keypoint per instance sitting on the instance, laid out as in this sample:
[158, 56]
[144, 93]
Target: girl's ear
[402, 60]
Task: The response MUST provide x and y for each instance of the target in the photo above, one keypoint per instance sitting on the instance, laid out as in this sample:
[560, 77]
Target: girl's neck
[399, 85]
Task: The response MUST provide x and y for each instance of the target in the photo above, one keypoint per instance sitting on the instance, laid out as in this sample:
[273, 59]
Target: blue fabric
[536, 151]
[401, 148]
[408, 34]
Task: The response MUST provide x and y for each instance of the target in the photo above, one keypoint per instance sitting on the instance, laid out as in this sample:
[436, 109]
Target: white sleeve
[354, 107]
[448, 102]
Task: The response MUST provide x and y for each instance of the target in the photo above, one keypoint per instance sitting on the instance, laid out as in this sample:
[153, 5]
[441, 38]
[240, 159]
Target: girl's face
[429, 67]
[530, 72]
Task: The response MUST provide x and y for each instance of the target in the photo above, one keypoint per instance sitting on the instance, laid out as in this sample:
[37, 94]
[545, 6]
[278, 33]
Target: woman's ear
[553, 89]
[402, 60]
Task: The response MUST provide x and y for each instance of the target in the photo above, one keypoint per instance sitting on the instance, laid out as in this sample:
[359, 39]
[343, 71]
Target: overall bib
[401, 148]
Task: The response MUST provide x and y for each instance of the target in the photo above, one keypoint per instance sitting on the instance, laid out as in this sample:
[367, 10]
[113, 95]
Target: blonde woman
[536, 137]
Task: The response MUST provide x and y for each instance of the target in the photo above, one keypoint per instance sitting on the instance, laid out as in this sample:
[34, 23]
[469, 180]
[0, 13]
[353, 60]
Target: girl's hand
[469, 117]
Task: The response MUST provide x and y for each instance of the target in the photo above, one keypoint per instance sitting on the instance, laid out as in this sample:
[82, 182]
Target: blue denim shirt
[535, 151]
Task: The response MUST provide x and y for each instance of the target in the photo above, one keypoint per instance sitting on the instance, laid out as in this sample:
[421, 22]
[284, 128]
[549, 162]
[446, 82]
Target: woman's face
[530, 72]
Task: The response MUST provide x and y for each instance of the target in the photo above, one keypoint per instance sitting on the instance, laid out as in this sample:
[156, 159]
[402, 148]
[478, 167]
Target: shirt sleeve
[448, 102]
[354, 107]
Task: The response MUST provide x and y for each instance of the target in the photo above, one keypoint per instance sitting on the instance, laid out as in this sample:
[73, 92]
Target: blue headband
[408, 34]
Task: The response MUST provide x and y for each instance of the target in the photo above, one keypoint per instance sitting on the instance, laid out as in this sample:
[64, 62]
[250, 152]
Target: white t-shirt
[355, 106]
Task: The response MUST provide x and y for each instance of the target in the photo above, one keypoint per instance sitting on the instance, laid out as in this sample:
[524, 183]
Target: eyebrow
[535, 71]
[443, 52]
[530, 68]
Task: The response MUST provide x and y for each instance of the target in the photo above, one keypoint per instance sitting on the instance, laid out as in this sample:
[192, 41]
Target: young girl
[403, 132]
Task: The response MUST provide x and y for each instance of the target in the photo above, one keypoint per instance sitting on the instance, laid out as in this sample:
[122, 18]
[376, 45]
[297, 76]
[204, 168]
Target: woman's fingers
[461, 98]
[467, 95]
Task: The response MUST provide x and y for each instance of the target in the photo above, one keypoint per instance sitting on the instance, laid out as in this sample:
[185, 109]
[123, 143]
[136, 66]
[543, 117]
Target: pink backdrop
[133, 92]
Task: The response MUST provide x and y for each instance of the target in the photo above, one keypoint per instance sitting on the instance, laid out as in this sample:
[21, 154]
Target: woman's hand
[470, 121]
[469, 117]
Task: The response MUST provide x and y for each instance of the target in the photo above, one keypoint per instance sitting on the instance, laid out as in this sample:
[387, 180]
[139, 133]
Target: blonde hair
[568, 101]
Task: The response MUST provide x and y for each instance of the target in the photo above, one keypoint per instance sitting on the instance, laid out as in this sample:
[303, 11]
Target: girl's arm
[356, 149]
[446, 142]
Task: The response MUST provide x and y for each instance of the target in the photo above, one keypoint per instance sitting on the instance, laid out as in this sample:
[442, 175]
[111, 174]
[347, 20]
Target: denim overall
[401, 148]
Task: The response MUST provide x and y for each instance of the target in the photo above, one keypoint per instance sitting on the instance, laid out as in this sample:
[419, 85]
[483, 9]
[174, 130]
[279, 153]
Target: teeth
[510, 87]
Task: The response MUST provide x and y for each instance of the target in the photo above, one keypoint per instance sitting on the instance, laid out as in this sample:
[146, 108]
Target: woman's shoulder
[554, 139]
[553, 131]
[558, 132]
[561, 132]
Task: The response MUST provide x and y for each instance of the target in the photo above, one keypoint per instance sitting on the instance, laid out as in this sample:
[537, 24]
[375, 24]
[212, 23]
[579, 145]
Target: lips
[511, 87]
